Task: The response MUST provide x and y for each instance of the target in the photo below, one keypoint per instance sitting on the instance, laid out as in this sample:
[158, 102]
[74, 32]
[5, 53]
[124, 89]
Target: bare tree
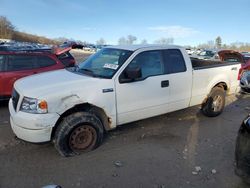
[101, 41]
[131, 39]
[6, 28]
[122, 41]
[164, 41]
[144, 41]
[218, 42]
[210, 44]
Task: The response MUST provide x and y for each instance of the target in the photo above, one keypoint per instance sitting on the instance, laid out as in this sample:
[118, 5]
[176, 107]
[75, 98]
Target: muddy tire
[78, 133]
[215, 102]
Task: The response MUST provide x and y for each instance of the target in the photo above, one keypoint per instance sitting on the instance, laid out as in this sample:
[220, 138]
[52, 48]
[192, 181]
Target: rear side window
[174, 61]
[20, 62]
[1, 63]
[44, 61]
[150, 63]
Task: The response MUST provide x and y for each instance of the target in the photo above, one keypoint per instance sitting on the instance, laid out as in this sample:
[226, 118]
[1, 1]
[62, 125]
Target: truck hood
[53, 81]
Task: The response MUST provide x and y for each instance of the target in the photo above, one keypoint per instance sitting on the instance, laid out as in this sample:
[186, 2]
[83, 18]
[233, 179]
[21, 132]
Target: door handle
[165, 83]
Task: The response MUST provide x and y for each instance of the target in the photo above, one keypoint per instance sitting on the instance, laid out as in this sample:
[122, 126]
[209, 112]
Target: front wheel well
[87, 107]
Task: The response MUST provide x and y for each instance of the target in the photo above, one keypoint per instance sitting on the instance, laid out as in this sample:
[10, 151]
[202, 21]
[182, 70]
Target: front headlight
[34, 106]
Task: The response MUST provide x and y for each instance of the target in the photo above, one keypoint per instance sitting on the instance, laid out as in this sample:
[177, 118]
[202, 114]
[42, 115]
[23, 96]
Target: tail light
[240, 73]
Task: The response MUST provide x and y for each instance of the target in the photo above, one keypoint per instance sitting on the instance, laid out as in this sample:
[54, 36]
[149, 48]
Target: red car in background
[15, 64]
[233, 56]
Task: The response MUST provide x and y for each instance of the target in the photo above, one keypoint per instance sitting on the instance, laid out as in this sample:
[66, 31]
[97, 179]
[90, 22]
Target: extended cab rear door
[179, 73]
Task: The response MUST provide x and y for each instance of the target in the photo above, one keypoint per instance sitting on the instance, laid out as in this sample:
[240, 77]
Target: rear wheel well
[222, 85]
[87, 107]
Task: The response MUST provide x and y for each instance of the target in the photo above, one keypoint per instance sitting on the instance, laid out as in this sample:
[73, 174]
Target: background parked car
[245, 81]
[206, 54]
[230, 56]
[234, 56]
[17, 63]
[189, 51]
[246, 55]
[242, 151]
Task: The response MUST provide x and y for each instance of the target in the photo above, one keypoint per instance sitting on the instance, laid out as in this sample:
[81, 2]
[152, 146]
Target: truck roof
[142, 46]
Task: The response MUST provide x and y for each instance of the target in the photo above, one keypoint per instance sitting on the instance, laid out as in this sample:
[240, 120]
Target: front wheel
[77, 133]
[215, 102]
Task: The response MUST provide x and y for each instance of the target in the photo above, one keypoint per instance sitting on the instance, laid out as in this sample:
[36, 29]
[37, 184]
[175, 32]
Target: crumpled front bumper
[34, 128]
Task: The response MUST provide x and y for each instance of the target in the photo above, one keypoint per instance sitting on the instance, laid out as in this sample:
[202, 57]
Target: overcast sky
[189, 22]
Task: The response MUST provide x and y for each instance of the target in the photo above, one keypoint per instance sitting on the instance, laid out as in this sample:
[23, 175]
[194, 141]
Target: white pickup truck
[118, 84]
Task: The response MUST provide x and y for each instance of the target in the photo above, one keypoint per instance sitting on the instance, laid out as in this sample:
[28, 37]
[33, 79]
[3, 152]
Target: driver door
[146, 96]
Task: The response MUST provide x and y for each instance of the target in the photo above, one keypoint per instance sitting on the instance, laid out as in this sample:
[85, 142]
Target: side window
[150, 63]
[2, 63]
[44, 61]
[174, 61]
[20, 62]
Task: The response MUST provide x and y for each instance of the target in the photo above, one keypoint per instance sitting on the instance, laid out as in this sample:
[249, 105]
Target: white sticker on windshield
[111, 66]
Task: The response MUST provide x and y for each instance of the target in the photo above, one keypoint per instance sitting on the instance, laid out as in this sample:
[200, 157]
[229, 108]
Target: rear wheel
[77, 133]
[215, 102]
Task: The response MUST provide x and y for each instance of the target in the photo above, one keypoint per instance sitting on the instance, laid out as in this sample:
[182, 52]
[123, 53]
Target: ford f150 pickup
[117, 85]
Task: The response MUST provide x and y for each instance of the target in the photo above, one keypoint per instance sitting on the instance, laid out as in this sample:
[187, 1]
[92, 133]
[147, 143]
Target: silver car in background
[245, 81]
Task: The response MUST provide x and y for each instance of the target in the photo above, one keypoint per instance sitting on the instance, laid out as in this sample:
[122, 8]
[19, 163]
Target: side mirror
[130, 74]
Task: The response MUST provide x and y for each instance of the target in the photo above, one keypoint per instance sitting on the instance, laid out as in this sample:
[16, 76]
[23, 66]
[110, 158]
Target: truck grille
[15, 98]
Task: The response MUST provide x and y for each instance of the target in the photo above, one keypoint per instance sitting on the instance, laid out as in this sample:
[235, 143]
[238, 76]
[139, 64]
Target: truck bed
[208, 73]
[204, 64]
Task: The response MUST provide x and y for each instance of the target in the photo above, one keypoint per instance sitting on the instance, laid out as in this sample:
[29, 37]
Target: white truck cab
[118, 84]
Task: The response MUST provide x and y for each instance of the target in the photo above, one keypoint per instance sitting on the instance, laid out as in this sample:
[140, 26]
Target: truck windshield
[104, 63]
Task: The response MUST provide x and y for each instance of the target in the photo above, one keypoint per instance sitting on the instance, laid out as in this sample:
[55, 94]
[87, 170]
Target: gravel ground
[179, 149]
